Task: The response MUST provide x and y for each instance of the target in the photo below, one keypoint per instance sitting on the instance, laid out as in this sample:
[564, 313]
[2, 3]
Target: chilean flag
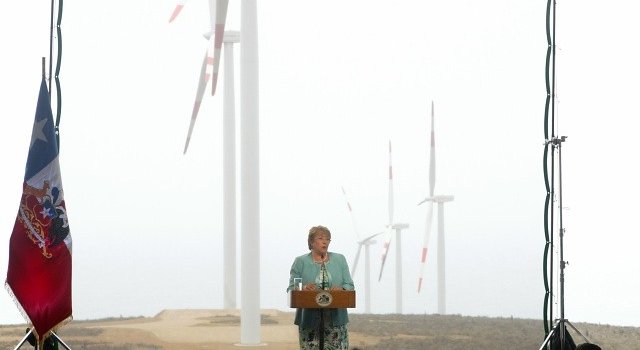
[39, 272]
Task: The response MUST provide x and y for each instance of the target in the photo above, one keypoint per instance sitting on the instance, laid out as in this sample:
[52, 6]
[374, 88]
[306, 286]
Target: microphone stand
[321, 327]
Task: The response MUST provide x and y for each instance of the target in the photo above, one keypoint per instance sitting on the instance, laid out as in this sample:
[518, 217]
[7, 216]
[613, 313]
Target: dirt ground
[177, 329]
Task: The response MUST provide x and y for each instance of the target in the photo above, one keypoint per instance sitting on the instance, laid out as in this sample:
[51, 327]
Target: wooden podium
[322, 299]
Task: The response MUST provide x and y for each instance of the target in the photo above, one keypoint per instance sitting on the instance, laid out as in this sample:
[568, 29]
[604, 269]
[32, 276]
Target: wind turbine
[366, 242]
[228, 145]
[440, 200]
[398, 227]
[249, 157]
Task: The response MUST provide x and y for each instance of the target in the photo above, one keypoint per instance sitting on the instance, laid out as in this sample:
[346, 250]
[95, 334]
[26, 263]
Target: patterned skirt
[335, 338]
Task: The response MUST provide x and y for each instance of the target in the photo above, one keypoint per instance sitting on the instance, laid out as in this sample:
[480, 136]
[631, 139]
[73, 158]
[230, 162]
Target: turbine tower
[249, 175]
[229, 173]
[249, 157]
[366, 242]
[440, 200]
[398, 227]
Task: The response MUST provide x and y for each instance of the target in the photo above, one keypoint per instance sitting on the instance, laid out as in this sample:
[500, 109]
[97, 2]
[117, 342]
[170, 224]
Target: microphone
[323, 271]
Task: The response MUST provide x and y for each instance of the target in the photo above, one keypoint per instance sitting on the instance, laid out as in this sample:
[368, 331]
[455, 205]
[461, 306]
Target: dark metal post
[553, 135]
[321, 327]
[321, 330]
[51, 48]
[562, 262]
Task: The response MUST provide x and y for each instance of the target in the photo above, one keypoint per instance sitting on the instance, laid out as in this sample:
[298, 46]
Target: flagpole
[51, 47]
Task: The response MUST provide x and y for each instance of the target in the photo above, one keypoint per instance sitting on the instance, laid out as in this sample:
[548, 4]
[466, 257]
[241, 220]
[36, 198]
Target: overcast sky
[338, 80]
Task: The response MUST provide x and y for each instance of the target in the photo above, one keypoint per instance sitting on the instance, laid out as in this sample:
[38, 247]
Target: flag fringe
[15, 300]
[28, 320]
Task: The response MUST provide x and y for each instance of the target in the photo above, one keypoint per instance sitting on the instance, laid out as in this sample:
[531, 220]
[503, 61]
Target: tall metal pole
[367, 277]
[442, 297]
[249, 176]
[442, 301]
[553, 135]
[229, 173]
[51, 47]
[398, 271]
[562, 262]
[399, 227]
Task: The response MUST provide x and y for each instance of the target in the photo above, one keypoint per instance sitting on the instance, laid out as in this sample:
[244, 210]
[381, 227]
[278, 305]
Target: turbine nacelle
[437, 199]
[368, 242]
[370, 239]
[230, 36]
[398, 226]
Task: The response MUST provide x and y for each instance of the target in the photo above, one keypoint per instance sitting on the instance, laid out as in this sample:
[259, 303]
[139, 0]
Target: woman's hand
[309, 286]
[336, 288]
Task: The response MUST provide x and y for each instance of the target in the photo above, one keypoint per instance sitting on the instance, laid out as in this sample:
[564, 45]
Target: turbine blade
[385, 250]
[353, 218]
[390, 188]
[221, 18]
[202, 83]
[371, 236]
[425, 244]
[432, 158]
[355, 261]
[176, 11]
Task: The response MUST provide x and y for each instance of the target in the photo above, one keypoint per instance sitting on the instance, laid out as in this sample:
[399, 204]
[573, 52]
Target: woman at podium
[321, 269]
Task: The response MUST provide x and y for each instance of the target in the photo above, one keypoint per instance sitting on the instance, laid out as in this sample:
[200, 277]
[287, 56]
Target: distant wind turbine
[398, 227]
[440, 199]
[366, 242]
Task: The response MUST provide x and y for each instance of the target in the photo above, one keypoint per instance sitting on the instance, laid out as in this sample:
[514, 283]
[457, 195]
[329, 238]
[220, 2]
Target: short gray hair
[316, 231]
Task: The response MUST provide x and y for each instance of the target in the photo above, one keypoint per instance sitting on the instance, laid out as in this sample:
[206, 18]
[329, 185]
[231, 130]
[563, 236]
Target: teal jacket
[338, 273]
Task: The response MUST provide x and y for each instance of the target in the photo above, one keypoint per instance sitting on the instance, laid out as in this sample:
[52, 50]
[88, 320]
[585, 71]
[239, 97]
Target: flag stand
[55, 135]
[53, 334]
[559, 329]
[24, 339]
[562, 322]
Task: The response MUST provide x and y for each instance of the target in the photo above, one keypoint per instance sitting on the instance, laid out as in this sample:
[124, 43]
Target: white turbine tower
[440, 200]
[366, 242]
[398, 227]
[249, 157]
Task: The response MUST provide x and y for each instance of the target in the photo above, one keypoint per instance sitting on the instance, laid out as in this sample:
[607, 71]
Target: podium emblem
[324, 298]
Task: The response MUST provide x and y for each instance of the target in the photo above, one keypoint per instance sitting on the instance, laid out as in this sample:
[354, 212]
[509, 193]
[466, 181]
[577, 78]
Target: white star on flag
[45, 212]
[38, 133]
